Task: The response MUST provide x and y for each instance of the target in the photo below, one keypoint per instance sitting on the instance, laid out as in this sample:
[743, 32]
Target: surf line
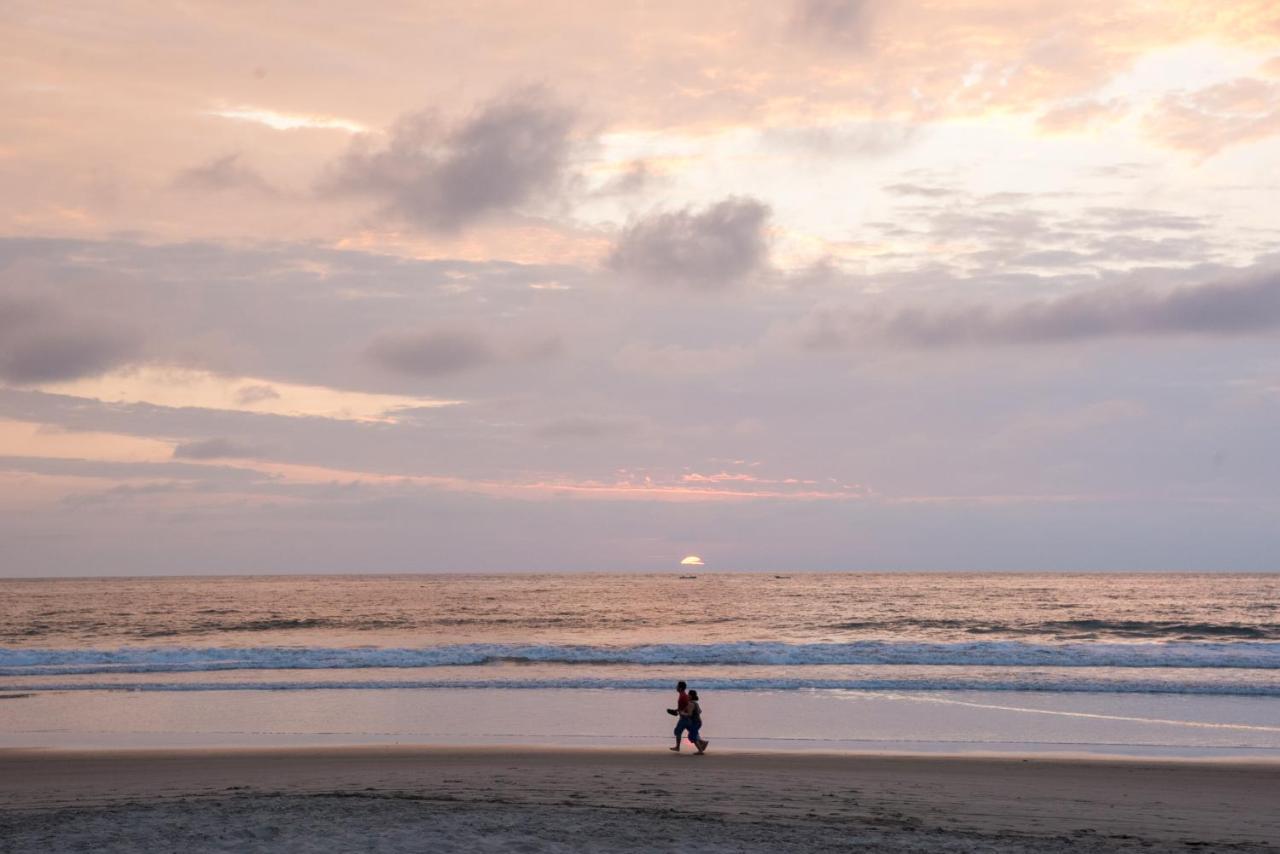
[1200, 724]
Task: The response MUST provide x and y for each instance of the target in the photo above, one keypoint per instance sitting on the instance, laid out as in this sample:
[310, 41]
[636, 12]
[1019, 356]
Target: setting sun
[692, 560]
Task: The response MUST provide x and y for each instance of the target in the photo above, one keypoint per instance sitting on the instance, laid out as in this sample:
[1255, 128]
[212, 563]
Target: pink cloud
[1208, 120]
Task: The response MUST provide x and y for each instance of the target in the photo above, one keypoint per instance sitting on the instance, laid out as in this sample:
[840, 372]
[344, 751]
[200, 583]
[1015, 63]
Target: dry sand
[528, 799]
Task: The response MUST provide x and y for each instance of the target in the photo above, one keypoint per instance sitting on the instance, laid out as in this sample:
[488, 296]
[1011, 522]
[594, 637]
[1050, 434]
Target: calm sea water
[1126, 634]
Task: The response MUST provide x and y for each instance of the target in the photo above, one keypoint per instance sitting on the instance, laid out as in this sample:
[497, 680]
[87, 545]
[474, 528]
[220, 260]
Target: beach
[526, 713]
[399, 798]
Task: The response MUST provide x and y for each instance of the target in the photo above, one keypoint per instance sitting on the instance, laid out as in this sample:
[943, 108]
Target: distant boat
[688, 576]
[782, 576]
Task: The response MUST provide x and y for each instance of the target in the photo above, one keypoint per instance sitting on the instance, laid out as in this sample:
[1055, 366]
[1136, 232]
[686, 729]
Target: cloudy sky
[788, 284]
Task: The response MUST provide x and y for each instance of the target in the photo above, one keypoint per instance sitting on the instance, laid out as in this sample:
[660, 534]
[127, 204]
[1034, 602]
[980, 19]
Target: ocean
[1136, 664]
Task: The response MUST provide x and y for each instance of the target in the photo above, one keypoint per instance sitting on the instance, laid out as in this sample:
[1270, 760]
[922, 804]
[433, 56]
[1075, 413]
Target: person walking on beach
[681, 713]
[695, 724]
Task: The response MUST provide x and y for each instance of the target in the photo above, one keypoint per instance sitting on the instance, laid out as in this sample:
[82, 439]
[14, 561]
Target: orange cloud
[1079, 116]
[1208, 120]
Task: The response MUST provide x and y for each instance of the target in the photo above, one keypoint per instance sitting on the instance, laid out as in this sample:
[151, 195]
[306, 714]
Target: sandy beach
[530, 799]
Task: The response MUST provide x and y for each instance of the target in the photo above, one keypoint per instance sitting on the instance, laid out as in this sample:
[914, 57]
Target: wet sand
[530, 799]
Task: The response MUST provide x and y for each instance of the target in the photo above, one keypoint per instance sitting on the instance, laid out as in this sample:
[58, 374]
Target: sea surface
[1186, 659]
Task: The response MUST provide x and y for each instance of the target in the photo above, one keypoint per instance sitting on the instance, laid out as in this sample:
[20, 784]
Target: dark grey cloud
[429, 354]
[256, 393]
[704, 250]
[584, 427]
[223, 173]
[511, 153]
[41, 342]
[215, 449]
[839, 21]
[535, 348]
[1248, 306]
[445, 351]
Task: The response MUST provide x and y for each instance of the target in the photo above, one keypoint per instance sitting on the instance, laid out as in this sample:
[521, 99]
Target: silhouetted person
[681, 711]
[695, 724]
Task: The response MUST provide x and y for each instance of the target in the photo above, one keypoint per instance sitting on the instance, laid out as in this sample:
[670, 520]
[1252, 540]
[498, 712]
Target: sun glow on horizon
[692, 560]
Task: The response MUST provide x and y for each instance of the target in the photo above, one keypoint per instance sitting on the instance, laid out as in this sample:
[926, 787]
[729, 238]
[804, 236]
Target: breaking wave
[1084, 629]
[1035, 681]
[1237, 654]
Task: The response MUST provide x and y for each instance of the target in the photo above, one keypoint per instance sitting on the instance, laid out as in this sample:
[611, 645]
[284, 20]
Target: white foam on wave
[1036, 681]
[1239, 654]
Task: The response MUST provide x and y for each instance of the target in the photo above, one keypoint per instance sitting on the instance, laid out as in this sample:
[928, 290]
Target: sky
[563, 286]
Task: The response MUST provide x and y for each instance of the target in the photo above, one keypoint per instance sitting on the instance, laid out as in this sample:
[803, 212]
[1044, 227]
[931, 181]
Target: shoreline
[935, 723]
[436, 750]
[943, 798]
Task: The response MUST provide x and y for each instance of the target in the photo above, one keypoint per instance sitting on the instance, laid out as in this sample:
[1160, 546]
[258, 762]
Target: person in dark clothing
[681, 713]
[695, 724]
